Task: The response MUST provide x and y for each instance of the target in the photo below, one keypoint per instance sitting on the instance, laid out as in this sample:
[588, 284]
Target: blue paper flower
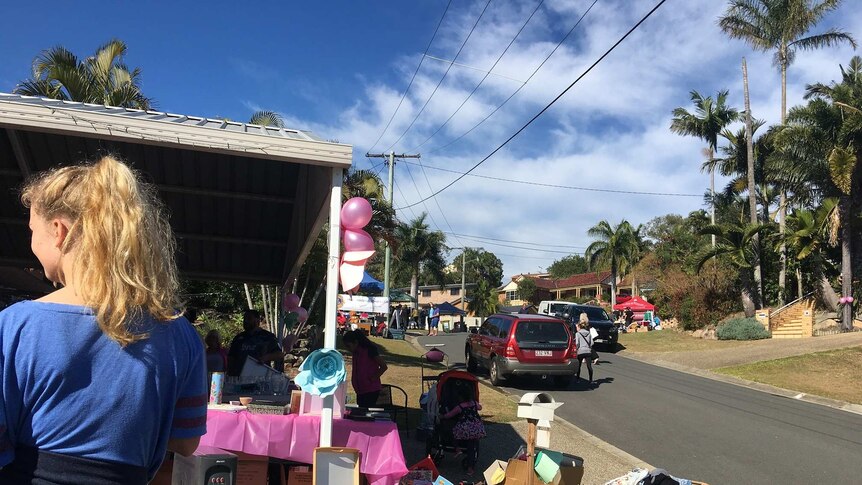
[321, 372]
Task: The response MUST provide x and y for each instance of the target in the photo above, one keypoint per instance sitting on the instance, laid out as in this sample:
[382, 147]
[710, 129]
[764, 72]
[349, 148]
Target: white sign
[368, 304]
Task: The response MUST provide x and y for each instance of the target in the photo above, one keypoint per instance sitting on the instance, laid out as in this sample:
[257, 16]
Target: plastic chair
[385, 401]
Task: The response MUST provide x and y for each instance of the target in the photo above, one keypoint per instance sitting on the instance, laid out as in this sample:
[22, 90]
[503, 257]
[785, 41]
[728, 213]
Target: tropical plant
[267, 118]
[484, 299]
[102, 78]
[615, 246]
[419, 247]
[782, 26]
[734, 243]
[709, 119]
[808, 236]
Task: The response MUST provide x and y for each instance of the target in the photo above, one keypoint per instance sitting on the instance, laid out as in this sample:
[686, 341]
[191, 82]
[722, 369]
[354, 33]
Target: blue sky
[340, 68]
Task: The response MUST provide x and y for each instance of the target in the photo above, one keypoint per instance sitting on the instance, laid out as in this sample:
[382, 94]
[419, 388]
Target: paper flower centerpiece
[321, 372]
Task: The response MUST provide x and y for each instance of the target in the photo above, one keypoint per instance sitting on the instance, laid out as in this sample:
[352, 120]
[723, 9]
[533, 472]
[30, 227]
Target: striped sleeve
[190, 413]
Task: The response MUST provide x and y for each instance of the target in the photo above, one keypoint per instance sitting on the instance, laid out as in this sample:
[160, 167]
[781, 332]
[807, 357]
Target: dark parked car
[599, 319]
[516, 345]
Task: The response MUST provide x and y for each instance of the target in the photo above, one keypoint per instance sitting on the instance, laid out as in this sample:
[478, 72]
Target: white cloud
[610, 131]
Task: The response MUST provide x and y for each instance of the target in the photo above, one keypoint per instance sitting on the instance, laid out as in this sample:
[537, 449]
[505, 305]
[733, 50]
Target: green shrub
[741, 329]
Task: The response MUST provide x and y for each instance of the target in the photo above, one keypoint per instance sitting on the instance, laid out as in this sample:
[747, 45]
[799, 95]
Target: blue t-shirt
[69, 389]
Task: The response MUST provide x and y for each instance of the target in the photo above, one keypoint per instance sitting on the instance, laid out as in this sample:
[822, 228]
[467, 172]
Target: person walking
[584, 343]
[368, 366]
[100, 378]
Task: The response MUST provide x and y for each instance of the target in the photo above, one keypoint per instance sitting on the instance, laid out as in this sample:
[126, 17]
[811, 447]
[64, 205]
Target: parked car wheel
[471, 361]
[494, 371]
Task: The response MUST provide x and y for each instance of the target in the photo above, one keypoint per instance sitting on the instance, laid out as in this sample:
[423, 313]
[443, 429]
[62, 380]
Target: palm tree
[736, 243]
[808, 235]
[614, 247]
[484, 300]
[782, 26]
[710, 117]
[102, 78]
[419, 247]
[267, 118]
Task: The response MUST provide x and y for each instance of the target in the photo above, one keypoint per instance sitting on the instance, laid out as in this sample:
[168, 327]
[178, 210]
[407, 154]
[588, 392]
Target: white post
[331, 294]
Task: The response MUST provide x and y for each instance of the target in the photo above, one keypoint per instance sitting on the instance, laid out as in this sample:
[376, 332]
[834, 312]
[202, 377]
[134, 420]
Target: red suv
[515, 345]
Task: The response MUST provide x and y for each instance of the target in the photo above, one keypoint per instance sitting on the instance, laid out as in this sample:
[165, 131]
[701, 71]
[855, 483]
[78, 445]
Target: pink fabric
[364, 375]
[294, 437]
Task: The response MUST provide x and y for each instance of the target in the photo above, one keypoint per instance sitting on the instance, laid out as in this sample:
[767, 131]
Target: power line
[442, 78]
[421, 60]
[488, 73]
[548, 106]
[483, 120]
[519, 242]
[540, 250]
[556, 186]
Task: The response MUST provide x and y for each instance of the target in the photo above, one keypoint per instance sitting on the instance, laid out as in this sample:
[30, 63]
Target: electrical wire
[487, 73]
[483, 120]
[519, 242]
[556, 186]
[442, 78]
[433, 36]
[548, 106]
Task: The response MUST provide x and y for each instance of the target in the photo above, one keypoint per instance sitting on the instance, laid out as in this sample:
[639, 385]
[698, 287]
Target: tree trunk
[248, 296]
[264, 298]
[747, 303]
[782, 204]
[845, 215]
[827, 294]
[752, 194]
[712, 190]
[414, 289]
[799, 291]
[613, 286]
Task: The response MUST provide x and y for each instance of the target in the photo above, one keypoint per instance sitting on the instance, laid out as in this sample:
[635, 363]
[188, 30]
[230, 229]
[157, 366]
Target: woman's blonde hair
[124, 244]
[583, 319]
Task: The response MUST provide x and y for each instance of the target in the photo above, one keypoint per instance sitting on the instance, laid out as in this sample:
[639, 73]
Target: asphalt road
[704, 429]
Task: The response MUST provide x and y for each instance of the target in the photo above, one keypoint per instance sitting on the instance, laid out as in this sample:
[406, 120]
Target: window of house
[454, 291]
[511, 295]
[426, 292]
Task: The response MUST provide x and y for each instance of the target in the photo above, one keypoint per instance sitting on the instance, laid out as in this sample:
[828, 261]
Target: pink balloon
[842, 300]
[357, 240]
[290, 302]
[849, 299]
[355, 213]
[301, 314]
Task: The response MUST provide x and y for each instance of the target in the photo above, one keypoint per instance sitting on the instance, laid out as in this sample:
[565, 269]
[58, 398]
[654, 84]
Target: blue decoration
[321, 372]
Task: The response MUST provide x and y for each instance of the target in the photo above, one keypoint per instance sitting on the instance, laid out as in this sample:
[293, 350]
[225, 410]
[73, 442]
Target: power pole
[390, 160]
[463, 280]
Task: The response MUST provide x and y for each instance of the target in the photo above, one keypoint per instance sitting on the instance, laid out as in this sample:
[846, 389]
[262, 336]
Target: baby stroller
[445, 396]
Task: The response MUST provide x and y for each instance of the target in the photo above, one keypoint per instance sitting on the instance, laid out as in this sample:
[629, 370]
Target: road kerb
[757, 386]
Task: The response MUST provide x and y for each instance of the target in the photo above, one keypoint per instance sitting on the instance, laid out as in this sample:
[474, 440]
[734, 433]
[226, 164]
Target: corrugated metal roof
[178, 119]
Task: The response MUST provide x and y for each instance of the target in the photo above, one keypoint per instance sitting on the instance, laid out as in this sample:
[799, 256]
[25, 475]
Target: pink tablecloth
[294, 437]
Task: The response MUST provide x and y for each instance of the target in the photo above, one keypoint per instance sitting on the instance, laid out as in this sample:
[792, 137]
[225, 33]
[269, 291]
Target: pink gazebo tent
[637, 304]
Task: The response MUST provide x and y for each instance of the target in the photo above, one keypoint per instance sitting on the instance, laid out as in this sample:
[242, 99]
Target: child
[215, 353]
[469, 428]
[368, 366]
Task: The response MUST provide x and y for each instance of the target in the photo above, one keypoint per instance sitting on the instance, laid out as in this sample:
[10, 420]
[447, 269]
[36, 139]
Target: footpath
[602, 461]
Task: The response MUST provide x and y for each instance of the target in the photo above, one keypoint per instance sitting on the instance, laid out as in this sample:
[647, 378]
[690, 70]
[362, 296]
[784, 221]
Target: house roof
[246, 202]
[574, 281]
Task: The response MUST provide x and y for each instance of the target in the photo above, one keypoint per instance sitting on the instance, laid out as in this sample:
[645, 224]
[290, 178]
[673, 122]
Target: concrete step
[785, 336]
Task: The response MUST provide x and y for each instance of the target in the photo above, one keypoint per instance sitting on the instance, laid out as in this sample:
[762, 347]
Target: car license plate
[544, 353]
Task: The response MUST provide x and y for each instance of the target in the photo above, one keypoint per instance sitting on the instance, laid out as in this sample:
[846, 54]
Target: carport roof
[246, 201]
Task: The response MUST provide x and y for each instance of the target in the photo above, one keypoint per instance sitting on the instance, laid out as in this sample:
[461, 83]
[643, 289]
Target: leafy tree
[527, 290]
[808, 235]
[102, 78]
[615, 246]
[480, 265]
[267, 118]
[419, 247]
[709, 119]
[568, 265]
[782, 26]
[735, 244]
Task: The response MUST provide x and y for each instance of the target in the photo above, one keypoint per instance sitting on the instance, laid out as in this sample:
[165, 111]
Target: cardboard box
[300, 475]
[251, 469]
[518, 472]
[498, 465]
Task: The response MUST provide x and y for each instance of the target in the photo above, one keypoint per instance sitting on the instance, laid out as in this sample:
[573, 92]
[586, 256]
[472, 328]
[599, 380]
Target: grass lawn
[404, 371]
[834, 374]
[670, 341]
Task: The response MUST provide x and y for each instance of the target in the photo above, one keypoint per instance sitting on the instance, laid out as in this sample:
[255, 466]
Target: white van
[552, 307]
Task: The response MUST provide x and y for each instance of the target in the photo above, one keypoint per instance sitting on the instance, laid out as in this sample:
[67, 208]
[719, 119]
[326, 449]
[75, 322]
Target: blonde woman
[101, 377]
[584, 344]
